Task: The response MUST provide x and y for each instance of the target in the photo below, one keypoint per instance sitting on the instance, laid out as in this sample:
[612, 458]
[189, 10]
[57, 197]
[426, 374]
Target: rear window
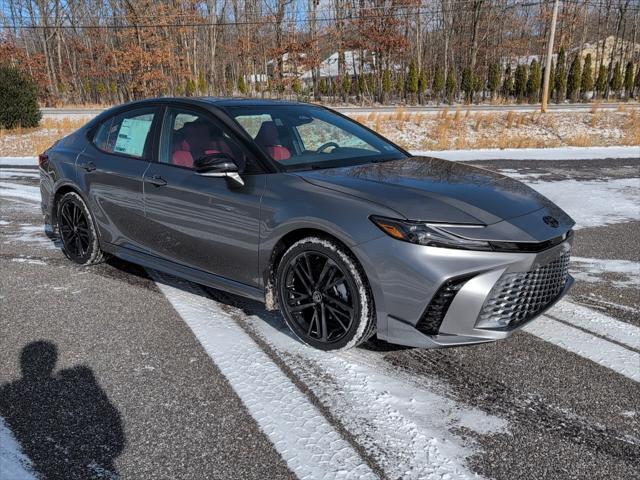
[126, 133]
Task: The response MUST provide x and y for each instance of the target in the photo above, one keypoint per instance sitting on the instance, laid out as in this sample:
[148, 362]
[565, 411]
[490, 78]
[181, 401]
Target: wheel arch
[281, 246]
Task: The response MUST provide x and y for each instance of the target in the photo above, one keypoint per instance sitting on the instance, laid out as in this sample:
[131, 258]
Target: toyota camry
[297, 206]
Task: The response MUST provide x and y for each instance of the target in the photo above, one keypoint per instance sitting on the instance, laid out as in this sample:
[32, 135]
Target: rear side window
[127, 133]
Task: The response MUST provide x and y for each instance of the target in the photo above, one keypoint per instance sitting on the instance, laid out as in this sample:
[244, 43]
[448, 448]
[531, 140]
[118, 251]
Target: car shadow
[63, 420]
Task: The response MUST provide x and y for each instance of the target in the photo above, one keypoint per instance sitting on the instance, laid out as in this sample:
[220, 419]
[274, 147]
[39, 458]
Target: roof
[245, 101]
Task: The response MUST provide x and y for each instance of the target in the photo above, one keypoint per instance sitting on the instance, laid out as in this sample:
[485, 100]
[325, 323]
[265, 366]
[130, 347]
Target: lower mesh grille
[517, 297]
[432, 318]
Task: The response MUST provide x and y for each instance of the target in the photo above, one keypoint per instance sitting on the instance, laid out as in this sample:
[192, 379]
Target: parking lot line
[598, 323]
[309, 444]
[603, 352]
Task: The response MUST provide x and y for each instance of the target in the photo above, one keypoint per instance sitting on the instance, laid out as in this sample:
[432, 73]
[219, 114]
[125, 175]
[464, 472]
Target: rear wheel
[75, 224]
[324, 296]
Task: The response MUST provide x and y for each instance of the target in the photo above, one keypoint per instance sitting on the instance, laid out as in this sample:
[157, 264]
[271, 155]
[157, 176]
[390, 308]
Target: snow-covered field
[406, 424]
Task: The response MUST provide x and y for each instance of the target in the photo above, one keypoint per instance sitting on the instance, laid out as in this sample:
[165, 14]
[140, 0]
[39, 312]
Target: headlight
[426, 234]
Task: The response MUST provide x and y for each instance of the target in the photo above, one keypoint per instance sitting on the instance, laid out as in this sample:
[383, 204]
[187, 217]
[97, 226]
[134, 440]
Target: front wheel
[324, 296]
[75, 224]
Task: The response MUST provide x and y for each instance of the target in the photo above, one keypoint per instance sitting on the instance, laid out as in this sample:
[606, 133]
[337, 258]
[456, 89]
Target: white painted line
[14, 465]
[309, 445]
[598, 323]
[607, 354]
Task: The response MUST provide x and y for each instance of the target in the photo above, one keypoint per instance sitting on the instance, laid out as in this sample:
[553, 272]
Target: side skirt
[182, 271]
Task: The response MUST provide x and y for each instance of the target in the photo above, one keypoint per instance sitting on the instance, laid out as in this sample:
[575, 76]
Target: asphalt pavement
[112, 372]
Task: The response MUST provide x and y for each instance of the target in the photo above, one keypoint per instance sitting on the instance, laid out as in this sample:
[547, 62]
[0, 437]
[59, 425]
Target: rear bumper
[405, 278]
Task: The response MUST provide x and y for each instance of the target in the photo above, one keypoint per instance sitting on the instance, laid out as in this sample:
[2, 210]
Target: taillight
[43, 159]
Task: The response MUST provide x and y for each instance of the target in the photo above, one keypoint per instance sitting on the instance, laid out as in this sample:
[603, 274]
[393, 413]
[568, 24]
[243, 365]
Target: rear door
[207, 223]
[111, 171]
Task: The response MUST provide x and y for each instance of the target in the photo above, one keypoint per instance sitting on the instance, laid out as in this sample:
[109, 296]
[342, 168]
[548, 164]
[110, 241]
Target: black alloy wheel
[320, 298]
[79, 241]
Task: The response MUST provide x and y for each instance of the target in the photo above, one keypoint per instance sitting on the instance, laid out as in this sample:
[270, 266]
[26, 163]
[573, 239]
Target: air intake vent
[432, 318]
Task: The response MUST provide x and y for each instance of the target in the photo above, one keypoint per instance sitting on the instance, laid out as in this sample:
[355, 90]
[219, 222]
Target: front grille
[518, 297]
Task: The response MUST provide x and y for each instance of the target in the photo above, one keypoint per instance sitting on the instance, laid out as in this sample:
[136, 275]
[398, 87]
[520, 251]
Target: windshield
[302, 137]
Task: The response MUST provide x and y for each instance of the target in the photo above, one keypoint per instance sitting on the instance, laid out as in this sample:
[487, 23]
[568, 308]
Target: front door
[207, 223]
[111, 171]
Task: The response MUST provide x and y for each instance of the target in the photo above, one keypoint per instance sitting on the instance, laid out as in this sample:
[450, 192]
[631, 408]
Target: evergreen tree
[616, 80]
[601, 81]
[296, 86]
[387, 85]
[507, 82]
[493, 79]
[586, 83]
[520, 82]
[190, 88]
[637, 82]
[534, 81]
[438, 83]
[412, 79]
[451, 85]
[18, 99]
[362, 85]
[346, 86]
[573, 82]
[242, 86]
[467, 84]
[628, 81]
[202, 84]
[322, 86]
[560, 80]
[399, 86]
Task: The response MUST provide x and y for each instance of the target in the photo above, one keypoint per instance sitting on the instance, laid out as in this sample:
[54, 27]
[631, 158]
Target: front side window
[126, 133]
[301, 137]
[188, 135]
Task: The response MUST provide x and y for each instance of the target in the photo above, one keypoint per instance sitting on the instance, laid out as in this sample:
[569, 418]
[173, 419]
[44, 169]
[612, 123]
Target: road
[364, 110]
[112, 371]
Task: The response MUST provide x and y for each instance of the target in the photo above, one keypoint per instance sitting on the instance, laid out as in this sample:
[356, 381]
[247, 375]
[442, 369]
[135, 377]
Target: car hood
[439, 191]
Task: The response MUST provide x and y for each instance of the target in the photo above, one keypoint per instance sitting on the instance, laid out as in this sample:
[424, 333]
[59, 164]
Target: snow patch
[597, 322]
[594, 203]
[19, 161]
[591, 270]
[562, 153]
[14, 465]
[17, 190]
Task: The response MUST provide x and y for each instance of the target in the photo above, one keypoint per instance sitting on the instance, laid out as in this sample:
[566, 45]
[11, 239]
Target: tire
[77, 230]
[318, 279]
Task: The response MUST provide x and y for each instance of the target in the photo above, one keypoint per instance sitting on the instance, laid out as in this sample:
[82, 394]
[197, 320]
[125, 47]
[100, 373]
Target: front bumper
[405, 278]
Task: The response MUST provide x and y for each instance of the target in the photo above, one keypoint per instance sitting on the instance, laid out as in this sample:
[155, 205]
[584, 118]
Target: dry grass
[632, 128]
[33, 141]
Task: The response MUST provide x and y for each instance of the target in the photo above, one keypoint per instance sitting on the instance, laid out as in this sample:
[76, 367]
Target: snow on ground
[592, 347]
[26, 192]
[14, 465]
[591, 270]
[594, 203]
[405, 425]
[563, 153]
[307, 442]
[19, 161]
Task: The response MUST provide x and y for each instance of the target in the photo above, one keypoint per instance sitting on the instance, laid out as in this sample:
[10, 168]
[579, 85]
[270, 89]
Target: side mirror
[218, 165]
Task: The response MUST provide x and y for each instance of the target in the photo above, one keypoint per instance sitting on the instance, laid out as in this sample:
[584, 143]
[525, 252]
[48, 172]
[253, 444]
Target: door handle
[88, 167]
[157, 180]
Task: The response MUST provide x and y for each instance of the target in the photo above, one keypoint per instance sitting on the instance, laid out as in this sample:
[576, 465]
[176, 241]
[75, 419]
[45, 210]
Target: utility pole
[547, 68]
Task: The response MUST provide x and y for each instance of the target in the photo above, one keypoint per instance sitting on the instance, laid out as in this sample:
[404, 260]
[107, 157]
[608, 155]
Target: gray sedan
[310, 212]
